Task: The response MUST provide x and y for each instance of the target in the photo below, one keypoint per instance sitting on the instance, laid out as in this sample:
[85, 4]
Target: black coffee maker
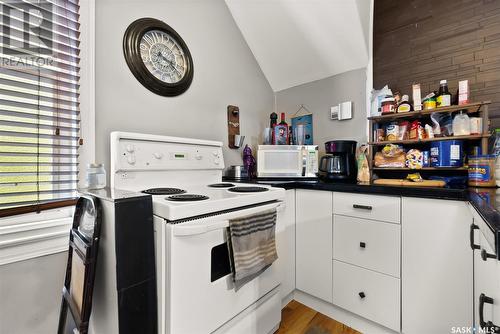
[339, 164]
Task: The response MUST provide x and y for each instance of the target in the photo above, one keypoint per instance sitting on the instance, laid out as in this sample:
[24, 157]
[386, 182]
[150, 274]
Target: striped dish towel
[252, 245]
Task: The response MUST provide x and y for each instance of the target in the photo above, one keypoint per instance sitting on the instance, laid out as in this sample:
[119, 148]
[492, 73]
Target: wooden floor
[297, 318]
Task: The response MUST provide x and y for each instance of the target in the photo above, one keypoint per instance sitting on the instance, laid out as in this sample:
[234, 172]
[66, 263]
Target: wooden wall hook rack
[233, 124]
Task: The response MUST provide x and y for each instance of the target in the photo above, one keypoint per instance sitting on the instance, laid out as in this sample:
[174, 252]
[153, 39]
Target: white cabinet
[285, 235]
[486, 283]
[314, 243]
[437, 266]
[367, 243]
[367, 293]
[376, 207]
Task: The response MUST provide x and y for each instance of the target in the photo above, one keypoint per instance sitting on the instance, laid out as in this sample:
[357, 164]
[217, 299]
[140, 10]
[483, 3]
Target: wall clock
[158, 57]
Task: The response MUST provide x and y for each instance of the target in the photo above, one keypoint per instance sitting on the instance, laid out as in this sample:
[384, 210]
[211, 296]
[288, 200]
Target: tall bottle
[274, 119]
[281, 134]
[444, 96]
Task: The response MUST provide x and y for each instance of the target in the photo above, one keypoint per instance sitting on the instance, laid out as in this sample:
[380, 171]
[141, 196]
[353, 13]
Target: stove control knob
[158, 155]
[215, 153]
[216, 161]
[198, 156]
[131, 159]
[130, 148]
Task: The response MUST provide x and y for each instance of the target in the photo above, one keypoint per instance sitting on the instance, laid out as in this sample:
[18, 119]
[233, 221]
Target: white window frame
[32, 235]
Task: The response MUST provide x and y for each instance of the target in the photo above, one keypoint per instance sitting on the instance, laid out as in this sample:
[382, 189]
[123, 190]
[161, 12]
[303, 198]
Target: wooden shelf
[428, 140]
[423, 168]
[471, 108]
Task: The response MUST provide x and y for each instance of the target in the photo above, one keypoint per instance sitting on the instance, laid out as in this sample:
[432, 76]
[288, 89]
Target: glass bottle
[444, 96]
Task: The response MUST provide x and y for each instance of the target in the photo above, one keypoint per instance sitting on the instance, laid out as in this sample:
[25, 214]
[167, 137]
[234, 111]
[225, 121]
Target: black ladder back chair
[80, 270]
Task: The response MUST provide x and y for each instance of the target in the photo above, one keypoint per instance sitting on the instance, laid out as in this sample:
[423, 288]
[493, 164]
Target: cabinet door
[486, 283]
[437, 266]
[285, 231]
[314, 243]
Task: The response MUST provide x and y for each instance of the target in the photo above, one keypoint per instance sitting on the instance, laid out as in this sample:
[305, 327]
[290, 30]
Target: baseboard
[347, 318]
[287, 299]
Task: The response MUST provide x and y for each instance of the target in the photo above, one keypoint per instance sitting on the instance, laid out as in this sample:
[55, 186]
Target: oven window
[220, 266]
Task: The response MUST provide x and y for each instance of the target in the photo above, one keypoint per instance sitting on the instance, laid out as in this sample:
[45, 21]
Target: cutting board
[407, 183]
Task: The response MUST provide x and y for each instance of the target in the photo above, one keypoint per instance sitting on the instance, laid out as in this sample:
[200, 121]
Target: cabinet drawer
[381, 301]
[367, 243]
[384, 208]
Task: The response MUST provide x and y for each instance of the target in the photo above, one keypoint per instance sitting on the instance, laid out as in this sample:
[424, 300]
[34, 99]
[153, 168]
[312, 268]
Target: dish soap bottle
[444, 96]
[280, 132]
[461, 125]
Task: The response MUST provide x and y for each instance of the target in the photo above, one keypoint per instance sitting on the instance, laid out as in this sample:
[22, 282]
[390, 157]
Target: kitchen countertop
[485, 200]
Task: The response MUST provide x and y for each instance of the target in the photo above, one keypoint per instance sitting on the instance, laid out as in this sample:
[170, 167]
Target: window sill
[34, 234]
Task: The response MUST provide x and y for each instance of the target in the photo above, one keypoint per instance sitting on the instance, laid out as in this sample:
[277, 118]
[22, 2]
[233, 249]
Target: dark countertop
[486, 201]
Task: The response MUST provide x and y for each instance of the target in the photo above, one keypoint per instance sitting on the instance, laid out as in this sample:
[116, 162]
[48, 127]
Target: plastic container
[482, 171]
[461, 125]
[447, 153]
[388, 105]
[95, 177]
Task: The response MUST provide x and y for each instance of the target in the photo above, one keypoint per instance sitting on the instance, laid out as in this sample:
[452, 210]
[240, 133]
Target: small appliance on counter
[236, 173]
[287, 161]
[339, 164]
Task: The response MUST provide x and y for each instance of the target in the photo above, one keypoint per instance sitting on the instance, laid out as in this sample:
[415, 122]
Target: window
[39, 104]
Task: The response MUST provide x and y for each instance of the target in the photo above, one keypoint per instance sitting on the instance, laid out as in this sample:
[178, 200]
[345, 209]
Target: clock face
[158, 57]
[163, 56]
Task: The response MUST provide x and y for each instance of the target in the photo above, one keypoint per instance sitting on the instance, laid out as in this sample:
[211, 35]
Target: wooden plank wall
[424, 41]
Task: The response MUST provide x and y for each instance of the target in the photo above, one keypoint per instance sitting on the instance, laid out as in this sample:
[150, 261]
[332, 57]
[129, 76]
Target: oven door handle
[186, 230]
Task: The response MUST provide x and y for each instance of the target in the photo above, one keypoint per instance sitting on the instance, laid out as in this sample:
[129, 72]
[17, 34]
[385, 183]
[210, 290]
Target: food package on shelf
[404, 128]
[414, 159]
[390, 156]
[392, 131]
[395, 162]
[416, 130]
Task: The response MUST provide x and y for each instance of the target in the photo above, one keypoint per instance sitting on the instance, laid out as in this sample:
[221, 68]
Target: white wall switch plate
[345, 110]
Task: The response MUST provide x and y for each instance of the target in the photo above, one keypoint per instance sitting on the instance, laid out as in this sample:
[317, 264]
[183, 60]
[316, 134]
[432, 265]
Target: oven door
[288, 161]
[200, 295]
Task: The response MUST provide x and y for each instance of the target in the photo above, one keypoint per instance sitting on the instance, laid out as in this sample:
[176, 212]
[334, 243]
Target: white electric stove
[192, 208]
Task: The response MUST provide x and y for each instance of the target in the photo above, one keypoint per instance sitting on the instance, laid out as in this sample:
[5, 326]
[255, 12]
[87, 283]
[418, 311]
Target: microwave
[290, 161]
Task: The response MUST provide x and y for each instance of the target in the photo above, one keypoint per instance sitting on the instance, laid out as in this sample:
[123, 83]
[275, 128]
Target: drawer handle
[364, 207]
[483, 299]
[362, 244]
[362, 295]
[485, 255]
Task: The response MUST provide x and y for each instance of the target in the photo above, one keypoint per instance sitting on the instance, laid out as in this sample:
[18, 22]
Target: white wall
[318, 96]
[30, 294]
[225, 72]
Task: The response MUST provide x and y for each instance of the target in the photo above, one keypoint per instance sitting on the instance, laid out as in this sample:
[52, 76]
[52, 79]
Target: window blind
[39, 104]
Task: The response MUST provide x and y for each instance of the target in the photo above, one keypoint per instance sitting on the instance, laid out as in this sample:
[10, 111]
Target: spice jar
[482, 171]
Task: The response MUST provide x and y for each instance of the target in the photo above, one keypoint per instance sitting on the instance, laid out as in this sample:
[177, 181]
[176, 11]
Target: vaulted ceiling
[299, 41]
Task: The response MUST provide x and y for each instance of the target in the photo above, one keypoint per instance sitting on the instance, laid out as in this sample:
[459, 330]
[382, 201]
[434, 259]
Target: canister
[482, 171]
[447, 153]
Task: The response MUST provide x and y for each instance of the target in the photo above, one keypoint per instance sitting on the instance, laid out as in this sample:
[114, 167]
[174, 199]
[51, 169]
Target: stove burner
[163, 191]
[247, 189]
[186, 198]
[221, 185]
